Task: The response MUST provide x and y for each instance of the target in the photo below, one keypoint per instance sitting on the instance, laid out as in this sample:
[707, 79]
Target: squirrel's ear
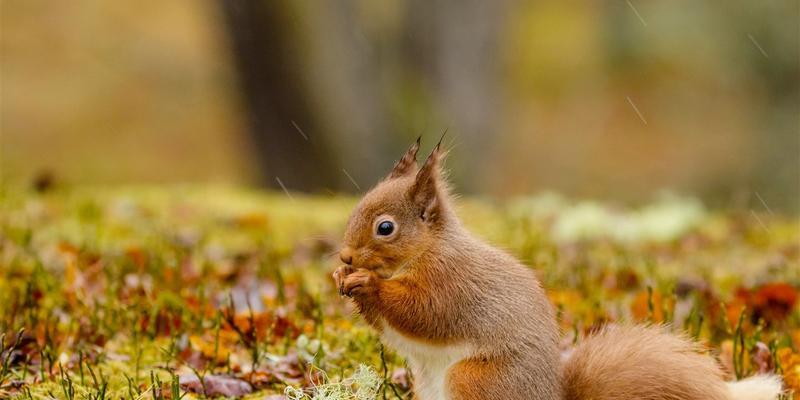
[427, 190]
[408, 163]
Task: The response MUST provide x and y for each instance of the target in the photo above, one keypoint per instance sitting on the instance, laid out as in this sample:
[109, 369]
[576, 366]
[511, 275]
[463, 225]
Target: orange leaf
[790, 362]
[641, 307]
[774, 301]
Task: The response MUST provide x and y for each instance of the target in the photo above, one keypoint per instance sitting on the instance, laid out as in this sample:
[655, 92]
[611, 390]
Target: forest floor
[140, 292]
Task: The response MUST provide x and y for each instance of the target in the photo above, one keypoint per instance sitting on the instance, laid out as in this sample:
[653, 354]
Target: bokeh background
[609, 100]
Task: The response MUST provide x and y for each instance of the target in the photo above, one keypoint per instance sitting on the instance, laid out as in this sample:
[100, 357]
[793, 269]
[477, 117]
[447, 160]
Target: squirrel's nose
[346, 255]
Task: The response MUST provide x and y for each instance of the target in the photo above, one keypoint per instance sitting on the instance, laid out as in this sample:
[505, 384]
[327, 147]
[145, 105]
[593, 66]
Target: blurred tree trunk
[376, 87]
[282, 123]
[348, 68]
[455, 45]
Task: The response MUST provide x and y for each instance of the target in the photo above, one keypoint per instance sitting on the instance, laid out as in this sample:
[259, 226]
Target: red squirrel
[475, 324]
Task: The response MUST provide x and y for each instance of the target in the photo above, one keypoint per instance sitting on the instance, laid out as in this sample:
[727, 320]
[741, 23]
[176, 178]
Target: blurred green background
[611, 100]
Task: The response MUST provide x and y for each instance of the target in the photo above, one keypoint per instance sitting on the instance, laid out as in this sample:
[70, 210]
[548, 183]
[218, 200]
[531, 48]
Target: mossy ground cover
[142, 292]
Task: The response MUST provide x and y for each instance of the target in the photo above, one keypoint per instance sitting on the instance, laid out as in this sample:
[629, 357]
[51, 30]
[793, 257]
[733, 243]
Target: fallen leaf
[790, 362]
[215, 385]
[641, 307]
[213, 349]
[774, 301]
[400, 379]
[762, 358]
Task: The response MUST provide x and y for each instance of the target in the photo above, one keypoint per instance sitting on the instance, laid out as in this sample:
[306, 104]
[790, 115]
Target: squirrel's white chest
[429, 362]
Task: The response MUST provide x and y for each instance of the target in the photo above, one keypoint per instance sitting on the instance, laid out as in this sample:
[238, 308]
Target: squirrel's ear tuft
[408, 163]
[428, 189]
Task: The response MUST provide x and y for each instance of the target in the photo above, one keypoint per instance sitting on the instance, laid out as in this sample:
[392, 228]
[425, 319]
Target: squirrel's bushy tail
[761, 387]
[648, 363]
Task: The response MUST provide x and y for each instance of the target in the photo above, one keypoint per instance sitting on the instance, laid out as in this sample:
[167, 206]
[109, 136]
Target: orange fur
[641, 362]
[474, 323]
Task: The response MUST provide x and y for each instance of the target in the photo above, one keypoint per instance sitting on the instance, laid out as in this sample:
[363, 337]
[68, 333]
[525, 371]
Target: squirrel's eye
[385, 228]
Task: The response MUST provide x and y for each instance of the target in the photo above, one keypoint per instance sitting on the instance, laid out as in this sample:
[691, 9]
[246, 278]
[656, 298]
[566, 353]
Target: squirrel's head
[401, 216]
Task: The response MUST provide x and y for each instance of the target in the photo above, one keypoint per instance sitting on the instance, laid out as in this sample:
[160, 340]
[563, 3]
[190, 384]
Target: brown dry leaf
[218, 351]
[285, 370]
[260, 379]
[215, 385]
[262, 324]
[288, 370]
[401, 379]
[762, 358]
[774, 301]
[258, 321]
[620, 281]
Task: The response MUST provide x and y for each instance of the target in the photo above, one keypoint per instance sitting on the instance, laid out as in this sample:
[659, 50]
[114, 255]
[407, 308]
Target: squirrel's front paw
[339, 275]
[359, 283]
